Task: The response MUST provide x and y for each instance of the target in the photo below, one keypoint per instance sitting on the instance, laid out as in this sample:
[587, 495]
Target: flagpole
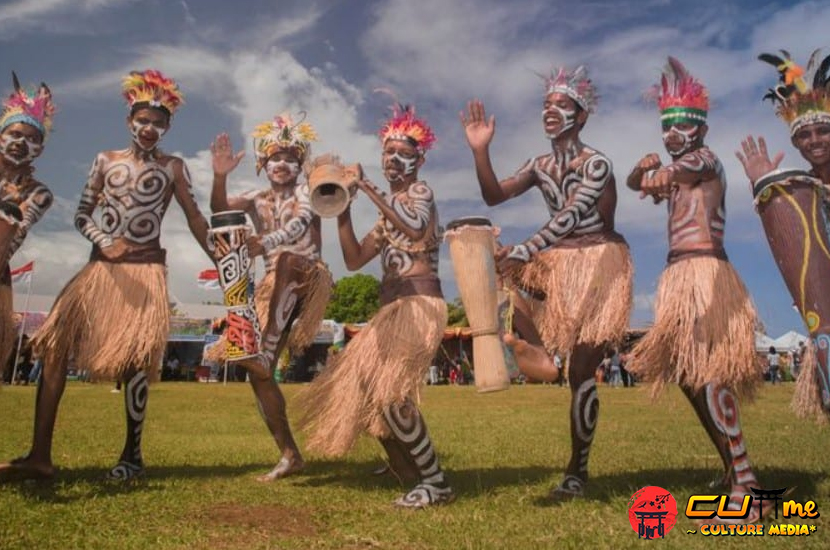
[22, 325]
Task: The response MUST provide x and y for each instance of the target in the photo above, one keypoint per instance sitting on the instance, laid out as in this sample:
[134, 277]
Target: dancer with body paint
[25, 124]
[795, 211]
[291, 299]
[112, 318]
[703, 332]
[575, 272]
[372, 385]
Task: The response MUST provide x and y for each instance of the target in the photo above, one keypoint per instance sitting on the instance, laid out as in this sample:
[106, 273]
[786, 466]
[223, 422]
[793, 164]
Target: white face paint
[19, 150]
[678, 141]
[273, 167]
[554, 128]
[148, 143]
[408, 163]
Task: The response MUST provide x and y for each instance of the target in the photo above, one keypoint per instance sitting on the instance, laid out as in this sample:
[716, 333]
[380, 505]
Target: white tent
[763, 342]
[788, 341]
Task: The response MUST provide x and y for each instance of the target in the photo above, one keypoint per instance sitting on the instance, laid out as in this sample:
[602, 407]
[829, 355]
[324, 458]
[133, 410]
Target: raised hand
[224, 160]
[478, 128]
[755, 158]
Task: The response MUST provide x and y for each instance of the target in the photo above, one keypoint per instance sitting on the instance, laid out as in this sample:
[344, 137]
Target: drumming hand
[224, 161]
[116, 250]
[755, 158]
[477, 127]
[255, 247]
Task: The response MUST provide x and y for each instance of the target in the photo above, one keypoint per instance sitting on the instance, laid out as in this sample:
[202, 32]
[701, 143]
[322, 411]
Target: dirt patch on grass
[271, 519]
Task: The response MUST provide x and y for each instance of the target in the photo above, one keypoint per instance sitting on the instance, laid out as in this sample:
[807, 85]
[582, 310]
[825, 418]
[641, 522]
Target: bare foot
[125, 471]
[571, 488]
[21, 469]
[284, 468]
[424, 495]
[533, 361]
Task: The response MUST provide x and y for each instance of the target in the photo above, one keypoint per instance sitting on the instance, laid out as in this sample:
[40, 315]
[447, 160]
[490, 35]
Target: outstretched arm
[183, 191]
[480, 131]
[690, 169]
[646, 164]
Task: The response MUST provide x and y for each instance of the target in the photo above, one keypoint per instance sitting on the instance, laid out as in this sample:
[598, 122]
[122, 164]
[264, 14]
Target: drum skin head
[469, 220]
[227, 218]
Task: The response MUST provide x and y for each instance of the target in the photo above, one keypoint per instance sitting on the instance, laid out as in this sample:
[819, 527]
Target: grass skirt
[383, 364]
[703, 332]
[109, 317]
[589, 294]
[806, 401]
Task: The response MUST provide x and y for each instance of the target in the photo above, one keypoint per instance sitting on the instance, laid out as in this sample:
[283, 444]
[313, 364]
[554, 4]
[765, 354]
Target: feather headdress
[803, 95]
[282, 133]
[29, 106]
[680, 97]
[150, 88]
[404, 125]
[575, 84]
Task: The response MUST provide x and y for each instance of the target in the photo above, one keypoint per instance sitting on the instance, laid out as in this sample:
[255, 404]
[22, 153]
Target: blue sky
[240, 63]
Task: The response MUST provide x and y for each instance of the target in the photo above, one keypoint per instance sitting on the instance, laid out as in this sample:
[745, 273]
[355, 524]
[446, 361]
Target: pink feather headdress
[29, 106]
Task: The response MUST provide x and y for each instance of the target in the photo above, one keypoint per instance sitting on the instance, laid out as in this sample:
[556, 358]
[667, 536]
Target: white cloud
[57, 15]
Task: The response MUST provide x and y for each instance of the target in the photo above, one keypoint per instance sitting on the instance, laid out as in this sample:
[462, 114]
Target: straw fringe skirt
[109, 317]
[703, 332]
[589, 294]
[806, 401]
[6, 326]
[317, 285]
[384, 363]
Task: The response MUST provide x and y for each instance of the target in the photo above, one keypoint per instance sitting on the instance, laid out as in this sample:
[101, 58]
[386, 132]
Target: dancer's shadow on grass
[470, 481]
[683, 482]
[71, 485]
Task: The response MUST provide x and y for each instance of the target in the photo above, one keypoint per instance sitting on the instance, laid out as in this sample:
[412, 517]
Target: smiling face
[147, 126]
[20, 143]
[813, 142]
[400, 161]
[560, 113]
[681, 137]
[283, 167]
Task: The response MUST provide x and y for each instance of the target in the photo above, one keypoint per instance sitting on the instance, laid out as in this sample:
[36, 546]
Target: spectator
[772, 361]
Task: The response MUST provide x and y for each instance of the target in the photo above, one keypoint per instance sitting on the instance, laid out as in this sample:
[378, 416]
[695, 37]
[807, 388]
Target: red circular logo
[652, 512]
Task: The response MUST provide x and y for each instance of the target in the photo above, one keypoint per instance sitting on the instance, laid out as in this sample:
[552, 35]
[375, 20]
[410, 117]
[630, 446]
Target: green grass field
[204, 443]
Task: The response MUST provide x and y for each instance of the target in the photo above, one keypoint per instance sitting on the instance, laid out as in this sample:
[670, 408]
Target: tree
[355, 299]
[456, 315]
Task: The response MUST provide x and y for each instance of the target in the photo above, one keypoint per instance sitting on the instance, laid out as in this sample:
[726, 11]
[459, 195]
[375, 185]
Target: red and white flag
[209, 279]
[23, 274]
